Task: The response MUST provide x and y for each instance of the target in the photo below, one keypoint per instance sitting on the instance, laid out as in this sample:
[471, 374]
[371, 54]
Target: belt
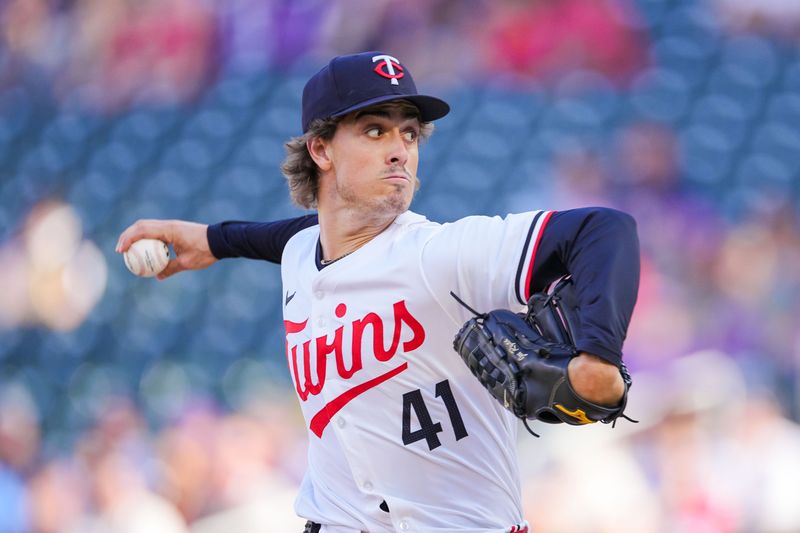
[311, 527]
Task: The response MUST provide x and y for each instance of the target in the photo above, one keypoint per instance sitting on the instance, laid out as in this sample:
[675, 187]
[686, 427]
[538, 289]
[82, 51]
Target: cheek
[358, 168]
[413, 160]
[347, 160]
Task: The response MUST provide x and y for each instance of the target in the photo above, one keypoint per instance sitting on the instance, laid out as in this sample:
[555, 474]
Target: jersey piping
[528, 256]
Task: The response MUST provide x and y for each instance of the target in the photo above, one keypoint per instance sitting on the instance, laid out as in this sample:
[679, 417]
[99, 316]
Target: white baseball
[147, 257]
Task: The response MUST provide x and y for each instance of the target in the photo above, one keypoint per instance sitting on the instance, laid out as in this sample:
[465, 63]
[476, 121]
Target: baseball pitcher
[414, 346]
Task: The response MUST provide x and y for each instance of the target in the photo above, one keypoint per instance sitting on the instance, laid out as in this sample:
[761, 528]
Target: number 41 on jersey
[428, 429]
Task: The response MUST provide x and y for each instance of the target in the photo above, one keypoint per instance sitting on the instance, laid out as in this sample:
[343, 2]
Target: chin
[397, 203]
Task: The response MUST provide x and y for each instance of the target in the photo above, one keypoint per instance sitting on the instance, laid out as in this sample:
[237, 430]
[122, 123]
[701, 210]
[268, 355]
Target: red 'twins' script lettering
[311, 384]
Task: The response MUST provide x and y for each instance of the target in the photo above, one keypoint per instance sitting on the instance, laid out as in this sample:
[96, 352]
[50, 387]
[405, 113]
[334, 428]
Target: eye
[373, 132]
[410, 135]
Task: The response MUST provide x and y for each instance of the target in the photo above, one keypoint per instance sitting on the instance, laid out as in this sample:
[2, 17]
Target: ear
[318, 149]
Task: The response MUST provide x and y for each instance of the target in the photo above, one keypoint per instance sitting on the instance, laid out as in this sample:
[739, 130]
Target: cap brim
[430, 107]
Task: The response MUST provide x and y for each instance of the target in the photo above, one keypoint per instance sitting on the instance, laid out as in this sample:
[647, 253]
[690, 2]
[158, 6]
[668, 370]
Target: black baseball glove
[522, 358]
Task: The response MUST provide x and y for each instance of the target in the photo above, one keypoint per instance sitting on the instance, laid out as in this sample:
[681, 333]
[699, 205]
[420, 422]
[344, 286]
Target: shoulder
[485, 241]
[411, 221]
[414, 221]
[510, 225]
[310, 228]
[303, 238]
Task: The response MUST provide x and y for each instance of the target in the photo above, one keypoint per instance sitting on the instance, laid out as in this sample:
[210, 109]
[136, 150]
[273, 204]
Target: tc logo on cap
[387, 66]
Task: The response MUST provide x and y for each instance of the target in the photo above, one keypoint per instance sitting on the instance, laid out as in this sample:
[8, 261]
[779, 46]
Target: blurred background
[132, 405]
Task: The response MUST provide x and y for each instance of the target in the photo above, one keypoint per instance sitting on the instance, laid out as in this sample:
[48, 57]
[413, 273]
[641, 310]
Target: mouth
[397, 177]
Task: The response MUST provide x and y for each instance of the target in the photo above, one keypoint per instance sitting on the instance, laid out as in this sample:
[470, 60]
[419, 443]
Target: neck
[344, 231]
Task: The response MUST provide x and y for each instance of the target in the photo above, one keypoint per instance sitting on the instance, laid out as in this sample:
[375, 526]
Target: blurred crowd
[715, 340]
[111, 53]
[711, 453]
[212, 470]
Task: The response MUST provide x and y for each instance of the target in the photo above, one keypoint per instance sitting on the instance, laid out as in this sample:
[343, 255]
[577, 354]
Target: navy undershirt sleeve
[255, 240]
[600, 248]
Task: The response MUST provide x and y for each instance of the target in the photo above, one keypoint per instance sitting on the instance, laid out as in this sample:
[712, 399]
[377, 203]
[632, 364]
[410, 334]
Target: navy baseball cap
[356, 81]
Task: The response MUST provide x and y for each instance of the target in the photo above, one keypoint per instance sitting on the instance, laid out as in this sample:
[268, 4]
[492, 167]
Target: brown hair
[300, 170]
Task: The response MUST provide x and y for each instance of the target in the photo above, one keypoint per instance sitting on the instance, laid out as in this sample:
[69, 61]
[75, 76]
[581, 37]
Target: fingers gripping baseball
[188, 240]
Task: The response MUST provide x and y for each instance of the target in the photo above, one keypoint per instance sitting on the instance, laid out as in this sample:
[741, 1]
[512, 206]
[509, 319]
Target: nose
[397, 149]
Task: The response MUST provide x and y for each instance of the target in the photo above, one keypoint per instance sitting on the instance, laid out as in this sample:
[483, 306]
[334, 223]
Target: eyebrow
[409, 115]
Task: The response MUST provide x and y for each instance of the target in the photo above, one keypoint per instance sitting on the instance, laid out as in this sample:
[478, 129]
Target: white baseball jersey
[392, 412]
